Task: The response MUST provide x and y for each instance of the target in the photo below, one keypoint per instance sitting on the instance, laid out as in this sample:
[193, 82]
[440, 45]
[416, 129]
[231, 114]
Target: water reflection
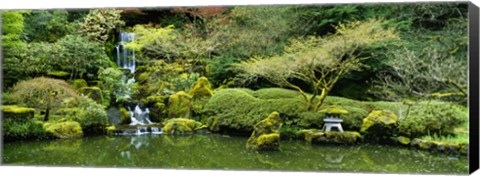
[218, 152]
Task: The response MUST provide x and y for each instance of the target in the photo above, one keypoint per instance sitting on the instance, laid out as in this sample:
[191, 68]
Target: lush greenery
[395, 73]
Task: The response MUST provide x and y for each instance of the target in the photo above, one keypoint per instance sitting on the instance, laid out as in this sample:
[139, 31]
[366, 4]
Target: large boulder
[201, 88]
[182, 125]
[266, 134]
[180, 105]
[322, 137]
[379, 125]
[125, 117]
[17, 113]
[67, 129]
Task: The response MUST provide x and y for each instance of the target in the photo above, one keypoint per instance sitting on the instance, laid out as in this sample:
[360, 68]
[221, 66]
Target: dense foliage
[44, 93]
[230, 67]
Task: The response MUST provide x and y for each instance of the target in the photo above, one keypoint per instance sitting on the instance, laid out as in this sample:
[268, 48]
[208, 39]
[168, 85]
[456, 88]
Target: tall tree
[318, 62]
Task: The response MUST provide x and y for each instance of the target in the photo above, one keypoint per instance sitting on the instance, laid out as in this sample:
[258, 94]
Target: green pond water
[213, 151]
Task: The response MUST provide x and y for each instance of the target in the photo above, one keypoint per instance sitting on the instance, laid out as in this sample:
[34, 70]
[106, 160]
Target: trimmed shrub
[17, 113]
[67, 129]
[92, 117]
[201, 88]
[432, 117]
[275, 93]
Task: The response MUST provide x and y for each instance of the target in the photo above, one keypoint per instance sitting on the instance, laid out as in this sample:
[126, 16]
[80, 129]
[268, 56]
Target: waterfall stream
[126, 60]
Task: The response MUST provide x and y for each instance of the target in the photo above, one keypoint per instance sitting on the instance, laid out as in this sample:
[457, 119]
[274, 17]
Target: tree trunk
[322, 98]
[47, 112]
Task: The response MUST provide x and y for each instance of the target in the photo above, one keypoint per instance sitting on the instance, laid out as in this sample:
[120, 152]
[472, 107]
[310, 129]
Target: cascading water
[126, 60]
[125, 56]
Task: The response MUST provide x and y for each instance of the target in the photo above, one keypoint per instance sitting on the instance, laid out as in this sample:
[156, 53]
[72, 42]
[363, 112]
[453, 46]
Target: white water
[125, 57]
[139, 116]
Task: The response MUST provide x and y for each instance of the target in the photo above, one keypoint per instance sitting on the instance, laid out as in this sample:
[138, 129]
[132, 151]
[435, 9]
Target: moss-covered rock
[17, 113]
[79, 83]
[403, 140]
[110, 129]
[182, 125]
[59, 74]
[156, 104]
[62, 130]
[95, 93]
[335, 137]
[266, 134]
[201, 88]
[180, 105]
[124, 116]
[379, 125]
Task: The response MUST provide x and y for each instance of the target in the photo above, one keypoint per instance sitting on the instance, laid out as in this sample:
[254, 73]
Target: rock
[125, 117]
[182, 125]
[67, 129]
[17, 113]
[95, 93]
[180, 105]
[201, 88]
[379, 125]
[403, 140]
[266, 134]
[157, 107]
[322, 137]
[111, 129]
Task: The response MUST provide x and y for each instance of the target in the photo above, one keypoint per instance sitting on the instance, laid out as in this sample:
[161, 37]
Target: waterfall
[139, 117]
[125, 57]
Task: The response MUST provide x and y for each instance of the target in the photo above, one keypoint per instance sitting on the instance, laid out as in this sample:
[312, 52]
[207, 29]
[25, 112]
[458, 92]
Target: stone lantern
[332, 118]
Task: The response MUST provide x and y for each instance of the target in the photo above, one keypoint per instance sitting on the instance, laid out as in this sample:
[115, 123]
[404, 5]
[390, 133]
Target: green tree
[14, 47]
[47, 26]
[81, 56]
[318, 62]
[100, 23]
[43, 93]
[114, 84]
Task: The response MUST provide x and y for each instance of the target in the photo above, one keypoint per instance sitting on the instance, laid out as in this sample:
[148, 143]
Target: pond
[214, 151]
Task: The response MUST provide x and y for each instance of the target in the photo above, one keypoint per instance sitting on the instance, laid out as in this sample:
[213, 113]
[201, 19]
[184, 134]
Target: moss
[379, 126]
[403, 140]
[95, 93]
[17, 113]
[275, 93]
[59, 74]
[110, 129]
[335, 137]
[124, 116]
[201, 88]
[334, 110]
[79, 83]
[180, 105]
[266, 134]
[142, 77]
[62, 130]
[182, 125]
[237, 110]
